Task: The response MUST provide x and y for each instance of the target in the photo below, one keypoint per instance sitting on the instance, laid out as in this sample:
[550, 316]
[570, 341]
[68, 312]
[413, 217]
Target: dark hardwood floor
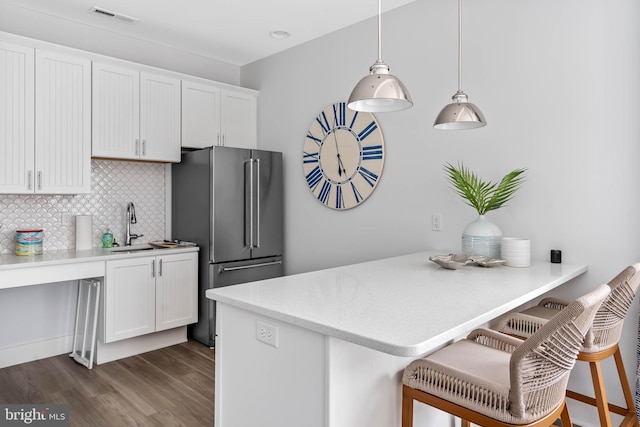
[167, 387]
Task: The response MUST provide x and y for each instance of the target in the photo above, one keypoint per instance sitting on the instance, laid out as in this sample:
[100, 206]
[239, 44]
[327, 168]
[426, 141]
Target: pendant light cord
[380, 30]
[459, 45]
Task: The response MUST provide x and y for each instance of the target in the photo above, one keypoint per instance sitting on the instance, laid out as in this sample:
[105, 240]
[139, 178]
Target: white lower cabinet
[149, 294]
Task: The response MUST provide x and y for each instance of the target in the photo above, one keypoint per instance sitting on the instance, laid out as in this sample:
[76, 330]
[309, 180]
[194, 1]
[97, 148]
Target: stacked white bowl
[516, 251]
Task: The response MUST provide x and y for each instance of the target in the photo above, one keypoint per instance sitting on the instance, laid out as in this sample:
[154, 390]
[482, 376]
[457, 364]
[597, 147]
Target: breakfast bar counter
[327, 348]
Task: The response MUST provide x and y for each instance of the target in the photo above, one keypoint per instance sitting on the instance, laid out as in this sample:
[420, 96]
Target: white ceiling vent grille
[113, 15]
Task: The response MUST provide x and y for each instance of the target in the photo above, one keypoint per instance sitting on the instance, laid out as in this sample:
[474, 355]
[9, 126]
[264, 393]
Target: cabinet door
[200, 115]
[159, 118]
[238, 119]
[16, 118]
[63, 124]
[176, 290]
[116, 112]
[129, 298]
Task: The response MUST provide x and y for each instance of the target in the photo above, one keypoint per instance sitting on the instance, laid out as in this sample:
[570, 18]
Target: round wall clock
[343, 156]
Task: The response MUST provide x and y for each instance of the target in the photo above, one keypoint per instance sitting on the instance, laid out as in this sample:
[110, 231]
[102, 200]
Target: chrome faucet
[131, 219]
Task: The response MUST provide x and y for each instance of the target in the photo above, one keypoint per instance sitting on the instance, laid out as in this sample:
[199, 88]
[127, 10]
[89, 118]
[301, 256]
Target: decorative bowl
[484, 261]
[451, 261]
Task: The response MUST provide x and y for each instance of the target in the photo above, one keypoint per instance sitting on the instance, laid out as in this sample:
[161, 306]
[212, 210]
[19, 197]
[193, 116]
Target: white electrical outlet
[436, 222]
[267, 333]
[65, 219]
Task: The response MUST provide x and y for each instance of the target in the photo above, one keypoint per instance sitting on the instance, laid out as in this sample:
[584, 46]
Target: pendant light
[379, 92]
[460, 114]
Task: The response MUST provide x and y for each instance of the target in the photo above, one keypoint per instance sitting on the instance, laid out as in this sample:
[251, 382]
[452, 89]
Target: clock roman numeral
[318, 141]
[356, 193]
[324, 123]
[314, 177]
[310, 157]
[339, 197]
[367, 131]
[368, 176]
[372, 152]
[340, 114]
[353, 120]
[323, 196]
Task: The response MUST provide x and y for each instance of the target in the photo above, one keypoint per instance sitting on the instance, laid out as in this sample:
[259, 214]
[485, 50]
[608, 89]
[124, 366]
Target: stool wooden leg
[565, 417]
[601, 394]
[465, 423]
[631, 416]
[407, 409]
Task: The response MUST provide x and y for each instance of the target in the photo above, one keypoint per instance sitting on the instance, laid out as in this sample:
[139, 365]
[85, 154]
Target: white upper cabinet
[63, 124]
[238, 120]
[17, 83]
[136, 115]
[217, 116]
[200, 115]
[45, 120]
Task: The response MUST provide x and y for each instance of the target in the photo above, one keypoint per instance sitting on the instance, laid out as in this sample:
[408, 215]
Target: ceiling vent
[113, 15]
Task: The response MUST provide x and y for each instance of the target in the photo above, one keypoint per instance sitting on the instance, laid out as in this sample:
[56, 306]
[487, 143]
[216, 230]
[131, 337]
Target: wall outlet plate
[65, 219]
[267, 333]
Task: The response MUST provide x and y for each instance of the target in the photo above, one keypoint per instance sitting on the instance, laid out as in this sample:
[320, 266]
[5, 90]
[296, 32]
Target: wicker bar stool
[493, 379]
[600, 343]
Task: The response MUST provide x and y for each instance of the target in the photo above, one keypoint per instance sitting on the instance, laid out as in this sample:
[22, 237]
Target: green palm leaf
[483, 196]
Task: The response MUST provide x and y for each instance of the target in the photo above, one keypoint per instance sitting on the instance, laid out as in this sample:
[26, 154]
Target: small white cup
[516, 251]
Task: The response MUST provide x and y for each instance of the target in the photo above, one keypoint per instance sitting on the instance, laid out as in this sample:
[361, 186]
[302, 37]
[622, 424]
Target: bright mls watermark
[53, 415]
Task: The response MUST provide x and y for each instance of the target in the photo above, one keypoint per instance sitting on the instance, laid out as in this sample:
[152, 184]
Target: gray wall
[558, 83]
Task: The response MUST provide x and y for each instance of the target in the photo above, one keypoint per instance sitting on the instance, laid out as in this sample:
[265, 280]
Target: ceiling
[232, 31]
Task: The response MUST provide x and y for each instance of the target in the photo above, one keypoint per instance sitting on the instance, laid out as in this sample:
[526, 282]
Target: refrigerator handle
[248, 221]
[257, 217]
[245, 267]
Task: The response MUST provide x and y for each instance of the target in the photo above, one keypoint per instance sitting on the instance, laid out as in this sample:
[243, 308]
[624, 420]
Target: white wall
[559, 85]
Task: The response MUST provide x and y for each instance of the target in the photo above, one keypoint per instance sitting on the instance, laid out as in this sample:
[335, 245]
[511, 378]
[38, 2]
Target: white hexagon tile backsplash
[113, 185]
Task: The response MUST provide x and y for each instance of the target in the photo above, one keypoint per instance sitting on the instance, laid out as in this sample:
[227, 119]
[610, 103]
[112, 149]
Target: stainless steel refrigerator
[229, 202]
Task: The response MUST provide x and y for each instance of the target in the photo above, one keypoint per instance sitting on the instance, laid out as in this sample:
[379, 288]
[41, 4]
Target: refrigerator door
[226, 274]
[229, 179]
[266, 228]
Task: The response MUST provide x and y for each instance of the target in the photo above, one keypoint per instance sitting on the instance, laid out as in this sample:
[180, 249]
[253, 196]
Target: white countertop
[68, 264]
[72, 256]
[404, 306]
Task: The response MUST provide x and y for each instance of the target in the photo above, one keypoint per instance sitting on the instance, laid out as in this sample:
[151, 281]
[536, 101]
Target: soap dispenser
[107, 239]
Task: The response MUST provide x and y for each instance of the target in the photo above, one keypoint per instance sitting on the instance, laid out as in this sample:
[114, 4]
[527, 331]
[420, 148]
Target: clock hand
[341, 168]
[341, 165]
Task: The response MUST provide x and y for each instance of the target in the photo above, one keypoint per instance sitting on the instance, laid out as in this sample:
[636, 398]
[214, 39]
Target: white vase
[482, 237]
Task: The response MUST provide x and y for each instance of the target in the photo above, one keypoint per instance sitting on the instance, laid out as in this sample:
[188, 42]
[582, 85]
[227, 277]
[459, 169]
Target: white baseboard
[34, 351]
[142, 344]
[104, 352]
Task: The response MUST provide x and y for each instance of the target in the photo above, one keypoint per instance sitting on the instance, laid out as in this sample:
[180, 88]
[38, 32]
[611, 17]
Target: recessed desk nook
[148, 296]
[328, 348]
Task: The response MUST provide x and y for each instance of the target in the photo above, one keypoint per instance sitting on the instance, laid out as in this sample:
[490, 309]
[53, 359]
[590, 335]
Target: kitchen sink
[132, 248]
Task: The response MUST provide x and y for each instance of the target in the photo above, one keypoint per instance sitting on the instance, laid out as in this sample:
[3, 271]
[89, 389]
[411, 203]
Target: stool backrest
[609, 320]
[540, 366]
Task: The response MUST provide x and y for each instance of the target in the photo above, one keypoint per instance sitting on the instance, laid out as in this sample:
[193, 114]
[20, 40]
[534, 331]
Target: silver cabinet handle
[30, 180]
[144, 147]
[223, 140]
[245, 267]
[153, 268]
[39, 180]
[160, 267]
[137, 147]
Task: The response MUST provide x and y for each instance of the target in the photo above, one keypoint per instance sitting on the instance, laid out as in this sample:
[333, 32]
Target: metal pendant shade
[460, 114]
[380, 91]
